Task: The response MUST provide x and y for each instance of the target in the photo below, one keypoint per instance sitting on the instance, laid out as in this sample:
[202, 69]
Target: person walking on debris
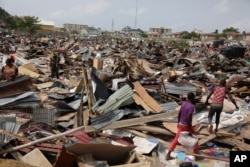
[219, 93]
[9, 70]
[54, 65]
[185, 117]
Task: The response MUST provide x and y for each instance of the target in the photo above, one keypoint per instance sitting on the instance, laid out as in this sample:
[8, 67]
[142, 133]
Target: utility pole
[112, 24]
[136, 14]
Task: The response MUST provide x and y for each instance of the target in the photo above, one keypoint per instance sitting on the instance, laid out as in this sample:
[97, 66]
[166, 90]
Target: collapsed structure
[115, 102]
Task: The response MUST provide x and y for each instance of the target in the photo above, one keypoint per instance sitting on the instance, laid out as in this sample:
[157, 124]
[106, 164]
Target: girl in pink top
[219, 93]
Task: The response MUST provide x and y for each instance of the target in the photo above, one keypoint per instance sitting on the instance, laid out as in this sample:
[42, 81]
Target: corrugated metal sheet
[11, 127]
[122, 97]
[178, 88]
[7, 100]
[170, 106]
[109, 117]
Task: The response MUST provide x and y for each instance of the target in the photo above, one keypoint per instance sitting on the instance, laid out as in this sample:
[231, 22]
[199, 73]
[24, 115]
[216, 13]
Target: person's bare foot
[210, 129]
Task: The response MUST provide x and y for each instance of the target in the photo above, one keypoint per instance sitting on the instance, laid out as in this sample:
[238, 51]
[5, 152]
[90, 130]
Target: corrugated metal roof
[178, 88]
[122, 97]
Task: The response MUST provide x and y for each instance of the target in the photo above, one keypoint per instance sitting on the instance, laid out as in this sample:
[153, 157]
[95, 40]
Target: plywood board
[36, 158]
[66, 117]
[139, 101]
[30, 67]
[152, 103]
[44, 85]
[172, 126]
[24, 71]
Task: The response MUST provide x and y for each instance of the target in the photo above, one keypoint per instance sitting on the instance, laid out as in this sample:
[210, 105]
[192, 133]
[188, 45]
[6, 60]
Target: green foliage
[26, 23]
[220, 36]
[179, 43]
[230, 29]
[191, 35]
[143, 35]
[3, 14]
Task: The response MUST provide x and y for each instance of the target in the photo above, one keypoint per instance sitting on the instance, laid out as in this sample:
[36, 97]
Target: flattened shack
[114, 105]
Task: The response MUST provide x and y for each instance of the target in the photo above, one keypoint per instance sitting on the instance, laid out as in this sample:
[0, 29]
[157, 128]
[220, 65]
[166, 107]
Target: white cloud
[222, 6]
[242, 25]
[93, 8]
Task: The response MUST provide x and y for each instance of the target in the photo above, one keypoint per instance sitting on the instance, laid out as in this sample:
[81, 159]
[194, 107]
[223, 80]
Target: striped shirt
[219, 95]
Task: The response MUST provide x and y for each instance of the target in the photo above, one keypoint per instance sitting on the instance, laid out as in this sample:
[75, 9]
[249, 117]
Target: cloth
[219, 95]
[180, 129]
[186, 109]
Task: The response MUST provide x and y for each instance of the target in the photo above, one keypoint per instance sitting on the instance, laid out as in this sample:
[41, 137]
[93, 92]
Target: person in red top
[185, 123]
[219, 93]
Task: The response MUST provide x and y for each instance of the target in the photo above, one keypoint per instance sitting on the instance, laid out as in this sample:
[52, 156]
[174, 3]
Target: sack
[186, 140]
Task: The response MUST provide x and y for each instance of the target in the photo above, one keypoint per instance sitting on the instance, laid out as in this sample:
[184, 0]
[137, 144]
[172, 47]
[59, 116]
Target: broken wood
[152, 129]
[135, 121]
[41, 140]
[152, 103]
[177, 148]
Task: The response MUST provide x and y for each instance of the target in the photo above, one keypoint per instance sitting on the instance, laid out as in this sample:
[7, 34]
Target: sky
[179, 15]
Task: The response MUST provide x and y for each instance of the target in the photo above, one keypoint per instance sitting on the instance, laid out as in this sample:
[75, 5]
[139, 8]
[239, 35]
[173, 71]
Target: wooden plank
[152, 103]
[178, 147]
[135, 121]
[207, 139]
[152, 129]
[172, 126]
[235, 142]
[65, 117]
[139, 101]
[44, 85]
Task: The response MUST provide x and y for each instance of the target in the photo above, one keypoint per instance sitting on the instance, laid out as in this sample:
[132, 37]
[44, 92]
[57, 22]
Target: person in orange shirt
[9, 70]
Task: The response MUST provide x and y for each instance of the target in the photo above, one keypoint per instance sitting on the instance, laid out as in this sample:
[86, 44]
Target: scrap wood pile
[116, 93]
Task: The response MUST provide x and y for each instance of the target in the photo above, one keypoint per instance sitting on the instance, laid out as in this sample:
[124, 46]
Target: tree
[230, 29]
[192, 35]
[29, 24]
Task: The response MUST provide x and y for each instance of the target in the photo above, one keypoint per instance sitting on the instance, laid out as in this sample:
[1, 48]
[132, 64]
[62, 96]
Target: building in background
[78, 28]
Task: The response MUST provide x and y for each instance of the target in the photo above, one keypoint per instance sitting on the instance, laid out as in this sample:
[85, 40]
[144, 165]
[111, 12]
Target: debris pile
[116, 102]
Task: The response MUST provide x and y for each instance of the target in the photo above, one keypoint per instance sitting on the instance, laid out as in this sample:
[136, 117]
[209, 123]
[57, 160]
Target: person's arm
[209, 95]
[231, 98]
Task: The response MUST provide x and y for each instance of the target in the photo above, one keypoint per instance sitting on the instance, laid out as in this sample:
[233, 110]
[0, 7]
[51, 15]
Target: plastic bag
[187, 140]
